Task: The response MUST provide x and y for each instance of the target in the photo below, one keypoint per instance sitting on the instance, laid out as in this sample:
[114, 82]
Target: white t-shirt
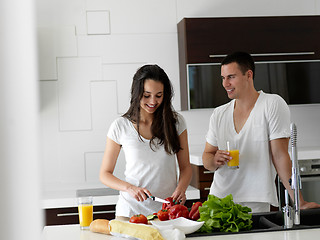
[254, 181]
[154, 169]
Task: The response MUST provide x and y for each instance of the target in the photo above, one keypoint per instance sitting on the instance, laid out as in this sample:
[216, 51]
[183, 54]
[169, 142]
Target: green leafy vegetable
[222, 214]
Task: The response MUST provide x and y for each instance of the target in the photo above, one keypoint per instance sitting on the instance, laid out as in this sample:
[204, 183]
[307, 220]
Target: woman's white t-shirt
[154, 169]
[254, 181]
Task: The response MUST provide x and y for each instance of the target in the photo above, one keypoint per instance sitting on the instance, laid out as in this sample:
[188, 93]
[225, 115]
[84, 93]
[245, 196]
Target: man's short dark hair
[243, 59]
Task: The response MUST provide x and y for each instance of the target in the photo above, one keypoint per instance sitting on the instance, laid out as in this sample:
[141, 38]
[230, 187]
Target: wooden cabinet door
[62, 216]
[207, 37]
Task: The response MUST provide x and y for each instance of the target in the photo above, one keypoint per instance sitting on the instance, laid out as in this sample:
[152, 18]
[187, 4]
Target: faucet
[287, 212]
[295, 178]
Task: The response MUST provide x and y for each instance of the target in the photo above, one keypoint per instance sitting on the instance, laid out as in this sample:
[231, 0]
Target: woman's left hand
[179, 196]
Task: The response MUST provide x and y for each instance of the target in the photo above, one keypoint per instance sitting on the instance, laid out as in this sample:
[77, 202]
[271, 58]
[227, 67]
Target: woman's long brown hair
[163, 126]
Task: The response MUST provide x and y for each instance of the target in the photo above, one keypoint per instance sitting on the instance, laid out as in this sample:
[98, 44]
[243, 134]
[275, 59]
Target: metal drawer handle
[208, 172]
[103, 212]
[268, 54]
[206, 189]
[76, 214]
[67, 214]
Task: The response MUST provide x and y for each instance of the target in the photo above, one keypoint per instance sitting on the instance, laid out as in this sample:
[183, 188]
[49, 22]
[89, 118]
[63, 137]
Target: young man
[259, 123]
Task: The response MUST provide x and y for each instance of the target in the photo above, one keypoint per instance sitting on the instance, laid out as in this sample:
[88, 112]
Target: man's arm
[283, 165]
[213, 158]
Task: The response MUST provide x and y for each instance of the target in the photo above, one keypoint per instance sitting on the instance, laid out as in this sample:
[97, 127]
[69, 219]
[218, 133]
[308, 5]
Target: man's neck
[247, 102]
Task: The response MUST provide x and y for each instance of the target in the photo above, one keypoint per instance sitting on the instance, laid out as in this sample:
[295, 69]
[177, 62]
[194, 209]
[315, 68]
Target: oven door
[310, 188]
[310, 181]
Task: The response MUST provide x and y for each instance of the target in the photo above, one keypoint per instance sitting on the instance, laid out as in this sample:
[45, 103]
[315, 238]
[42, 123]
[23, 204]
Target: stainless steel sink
[309, 218]
[273, 221]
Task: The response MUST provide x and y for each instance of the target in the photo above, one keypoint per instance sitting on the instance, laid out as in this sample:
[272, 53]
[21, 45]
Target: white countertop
[73, 232]
[303, 154]
[68, 198]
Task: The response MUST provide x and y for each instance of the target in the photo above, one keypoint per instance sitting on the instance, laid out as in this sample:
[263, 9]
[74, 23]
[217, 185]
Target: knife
[158, 199]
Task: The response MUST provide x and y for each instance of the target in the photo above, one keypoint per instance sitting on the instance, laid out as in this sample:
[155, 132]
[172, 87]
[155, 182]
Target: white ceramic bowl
[186, 225]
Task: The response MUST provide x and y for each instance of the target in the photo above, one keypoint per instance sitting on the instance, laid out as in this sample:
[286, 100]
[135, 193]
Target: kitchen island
[73, 232]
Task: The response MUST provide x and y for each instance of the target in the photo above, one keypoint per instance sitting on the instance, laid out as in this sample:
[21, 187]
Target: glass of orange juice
[234, 153]
[85, 209]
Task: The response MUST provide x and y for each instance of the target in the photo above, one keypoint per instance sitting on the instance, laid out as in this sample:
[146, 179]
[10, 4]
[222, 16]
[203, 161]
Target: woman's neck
[146, 118]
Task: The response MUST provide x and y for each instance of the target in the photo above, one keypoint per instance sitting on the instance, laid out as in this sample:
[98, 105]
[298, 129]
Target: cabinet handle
[268, 54]
[206, 189]
[208, 172]
[76, 214]
[103, 212]
[67, 214]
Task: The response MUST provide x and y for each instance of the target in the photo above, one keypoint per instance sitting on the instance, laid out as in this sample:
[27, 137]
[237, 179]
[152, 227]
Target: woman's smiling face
[152, 96]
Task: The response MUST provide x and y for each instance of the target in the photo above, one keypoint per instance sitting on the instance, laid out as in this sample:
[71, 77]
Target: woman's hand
[179, 196]
[140, 194]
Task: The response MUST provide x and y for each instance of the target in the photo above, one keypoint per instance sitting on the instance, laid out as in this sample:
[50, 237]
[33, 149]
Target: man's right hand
[221, 158]
[213, 158]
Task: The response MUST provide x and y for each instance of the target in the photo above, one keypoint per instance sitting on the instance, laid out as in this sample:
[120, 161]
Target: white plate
[186, 225]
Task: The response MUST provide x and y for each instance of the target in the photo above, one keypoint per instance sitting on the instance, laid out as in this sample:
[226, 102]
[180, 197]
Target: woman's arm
[106, 173]
[185, 175]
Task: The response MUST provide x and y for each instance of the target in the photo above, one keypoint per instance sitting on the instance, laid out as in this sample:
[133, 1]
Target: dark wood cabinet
[62, 216]
[208, 40]
[201, 179]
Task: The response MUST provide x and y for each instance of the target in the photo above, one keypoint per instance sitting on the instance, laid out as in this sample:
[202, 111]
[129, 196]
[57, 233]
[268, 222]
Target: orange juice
[234, 162]
[85, 215]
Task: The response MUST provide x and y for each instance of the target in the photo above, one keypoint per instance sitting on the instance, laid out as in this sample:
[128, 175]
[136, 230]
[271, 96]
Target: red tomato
[163, 215]
[168, 205]
[178, 211]
[139, 218]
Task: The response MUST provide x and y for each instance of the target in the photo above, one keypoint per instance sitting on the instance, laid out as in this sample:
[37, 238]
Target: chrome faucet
[287, 212]
[295, 178]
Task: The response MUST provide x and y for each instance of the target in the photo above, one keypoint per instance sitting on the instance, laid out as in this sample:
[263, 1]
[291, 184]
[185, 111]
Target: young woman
[152, 136]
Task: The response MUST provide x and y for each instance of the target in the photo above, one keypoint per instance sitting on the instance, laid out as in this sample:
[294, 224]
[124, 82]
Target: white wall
[89, 51]
[21, 215]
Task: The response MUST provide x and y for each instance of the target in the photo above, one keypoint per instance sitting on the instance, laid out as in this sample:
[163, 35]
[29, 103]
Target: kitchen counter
[73, 232]
[101, 196]
[303, 154]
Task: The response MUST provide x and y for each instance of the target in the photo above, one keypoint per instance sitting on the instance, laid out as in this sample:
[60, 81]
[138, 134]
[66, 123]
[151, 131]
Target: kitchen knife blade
[158, 199]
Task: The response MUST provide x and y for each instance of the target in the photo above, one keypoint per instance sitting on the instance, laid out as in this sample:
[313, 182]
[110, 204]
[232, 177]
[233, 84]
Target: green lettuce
[222, 214]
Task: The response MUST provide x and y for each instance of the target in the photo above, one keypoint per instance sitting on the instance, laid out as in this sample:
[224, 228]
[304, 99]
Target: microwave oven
[297, 82]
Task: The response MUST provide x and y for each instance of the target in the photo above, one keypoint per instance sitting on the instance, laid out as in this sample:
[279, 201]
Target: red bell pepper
[194, 212]
[166, 206]
[177, 211]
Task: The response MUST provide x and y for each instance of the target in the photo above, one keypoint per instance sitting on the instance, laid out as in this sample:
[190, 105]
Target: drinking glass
[85, 209]
[234, 153]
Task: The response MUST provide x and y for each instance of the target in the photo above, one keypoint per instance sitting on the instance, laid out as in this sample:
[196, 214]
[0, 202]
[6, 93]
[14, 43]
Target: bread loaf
[135, 230]
[100, 226]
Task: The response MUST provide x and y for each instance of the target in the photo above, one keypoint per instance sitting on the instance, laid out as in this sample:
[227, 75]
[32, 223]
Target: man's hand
[307, 205]
[221, 158]
[213, 158]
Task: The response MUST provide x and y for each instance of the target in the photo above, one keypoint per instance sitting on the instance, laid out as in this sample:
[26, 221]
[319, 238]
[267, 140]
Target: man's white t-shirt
[154, 169]
[254, 181]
